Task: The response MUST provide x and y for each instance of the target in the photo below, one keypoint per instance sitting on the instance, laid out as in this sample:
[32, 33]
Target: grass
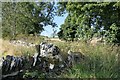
[102, 61]
[10, 49]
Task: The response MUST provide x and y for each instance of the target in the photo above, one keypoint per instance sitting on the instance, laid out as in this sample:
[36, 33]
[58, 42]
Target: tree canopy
[85, 20]
[26, 17]
[88, 19]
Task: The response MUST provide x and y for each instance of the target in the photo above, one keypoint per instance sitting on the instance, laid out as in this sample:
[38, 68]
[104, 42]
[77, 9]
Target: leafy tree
[91, 18]
[68, 29]
[27, 17]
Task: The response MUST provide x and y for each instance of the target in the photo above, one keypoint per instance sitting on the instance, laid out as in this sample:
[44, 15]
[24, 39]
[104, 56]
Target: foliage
[101, 62]
[112, 34]
[89, 19]
[26, 17]
[68, 29]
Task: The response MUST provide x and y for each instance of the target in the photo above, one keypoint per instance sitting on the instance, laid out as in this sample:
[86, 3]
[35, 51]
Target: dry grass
[9, 49]
[102, 59]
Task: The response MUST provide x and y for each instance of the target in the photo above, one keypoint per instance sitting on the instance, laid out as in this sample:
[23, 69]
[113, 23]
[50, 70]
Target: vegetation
[26, 17]
[102, 61]
[85, 20]
[91, 19]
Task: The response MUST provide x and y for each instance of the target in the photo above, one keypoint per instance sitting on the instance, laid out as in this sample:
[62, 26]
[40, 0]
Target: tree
[68, 29]
[93, 18]
[27, 17]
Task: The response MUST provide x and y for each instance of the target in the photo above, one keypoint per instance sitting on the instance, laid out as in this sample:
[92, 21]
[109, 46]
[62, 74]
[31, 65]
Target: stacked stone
[49, 55]
[11, 64]
[48, 58]
[44, 59]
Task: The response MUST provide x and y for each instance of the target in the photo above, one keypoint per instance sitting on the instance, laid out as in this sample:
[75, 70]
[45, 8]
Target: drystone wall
[48, 59]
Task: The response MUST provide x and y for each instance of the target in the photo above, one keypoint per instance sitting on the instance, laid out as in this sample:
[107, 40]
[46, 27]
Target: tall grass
[102, 61]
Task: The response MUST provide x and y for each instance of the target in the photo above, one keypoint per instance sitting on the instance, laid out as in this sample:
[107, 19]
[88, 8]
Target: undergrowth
[102, 60]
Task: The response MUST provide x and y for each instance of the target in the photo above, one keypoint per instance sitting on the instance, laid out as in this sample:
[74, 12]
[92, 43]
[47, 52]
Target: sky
[49, 30]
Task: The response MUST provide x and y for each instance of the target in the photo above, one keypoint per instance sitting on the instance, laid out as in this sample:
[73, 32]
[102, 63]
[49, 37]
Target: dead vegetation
[7, 48]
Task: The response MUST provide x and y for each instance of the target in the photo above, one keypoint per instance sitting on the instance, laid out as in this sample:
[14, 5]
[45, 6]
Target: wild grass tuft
[102, 61]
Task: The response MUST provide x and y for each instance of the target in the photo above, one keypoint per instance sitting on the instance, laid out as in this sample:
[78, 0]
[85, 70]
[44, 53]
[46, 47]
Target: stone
[47, 50]
[74, 57]
[51, 66]
[35, 58]
[47, 58]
